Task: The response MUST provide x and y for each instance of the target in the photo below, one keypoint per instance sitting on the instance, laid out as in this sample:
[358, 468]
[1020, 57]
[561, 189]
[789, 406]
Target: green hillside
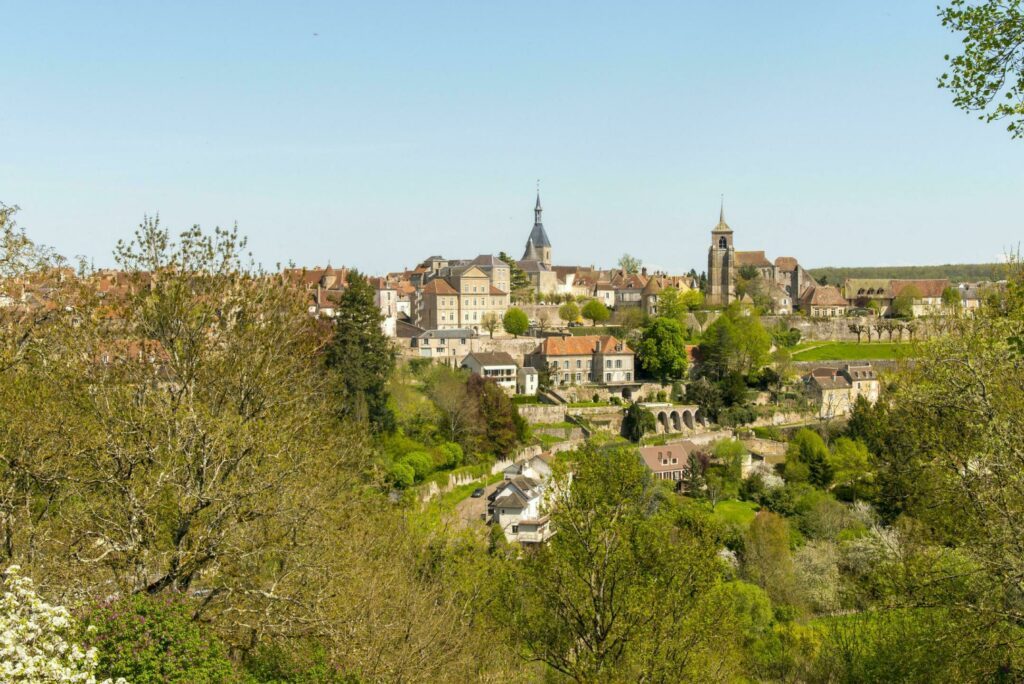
[957, 273]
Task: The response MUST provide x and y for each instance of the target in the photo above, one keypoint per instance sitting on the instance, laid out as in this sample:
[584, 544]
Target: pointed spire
[722, 225]
[537, 209]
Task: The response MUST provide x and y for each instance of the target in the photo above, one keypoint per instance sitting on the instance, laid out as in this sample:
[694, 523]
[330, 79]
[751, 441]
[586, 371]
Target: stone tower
[538, 247]
[721, 264]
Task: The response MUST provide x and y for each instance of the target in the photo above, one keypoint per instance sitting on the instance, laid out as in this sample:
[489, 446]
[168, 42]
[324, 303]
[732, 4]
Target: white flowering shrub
[37, 638]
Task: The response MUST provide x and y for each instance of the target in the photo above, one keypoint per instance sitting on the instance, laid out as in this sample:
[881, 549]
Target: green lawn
[850, 351]
[738, 512]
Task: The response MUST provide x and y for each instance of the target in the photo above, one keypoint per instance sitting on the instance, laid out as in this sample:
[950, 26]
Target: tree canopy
[987, 78]
[662, 350]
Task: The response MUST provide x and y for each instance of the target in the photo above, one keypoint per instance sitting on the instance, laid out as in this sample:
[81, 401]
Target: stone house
[459, 301]
[449, 346]
[575, 360]
[823, 301]
[668, 462]
[835, 390]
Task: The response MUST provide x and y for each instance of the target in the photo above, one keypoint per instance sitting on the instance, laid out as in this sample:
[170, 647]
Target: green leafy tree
[903, 303]
[662, 350]
[851, 465]
[619, 593]
[734, 342]
[515, 321]
[596, 311]
[808, 459]
[637, 422]
[148, 640]
[707, 396]
[988, 76]
[569, 312]
[767, 560]
[361, 356]
[951, 298]
[629, 263]
[731, 453]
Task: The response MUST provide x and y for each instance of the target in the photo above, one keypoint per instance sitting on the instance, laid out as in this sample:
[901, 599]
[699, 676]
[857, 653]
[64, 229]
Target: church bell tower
[721, 263]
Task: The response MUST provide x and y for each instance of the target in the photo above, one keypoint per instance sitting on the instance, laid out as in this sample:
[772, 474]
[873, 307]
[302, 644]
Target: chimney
[643, 271]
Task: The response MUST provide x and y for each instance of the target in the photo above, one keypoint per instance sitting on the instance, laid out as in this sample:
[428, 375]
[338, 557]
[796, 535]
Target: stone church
[785, 280]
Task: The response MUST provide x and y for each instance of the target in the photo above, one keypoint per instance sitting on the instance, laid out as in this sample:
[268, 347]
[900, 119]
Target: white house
[515, 507]
[536, 468]
[527, 381]
[497, 366]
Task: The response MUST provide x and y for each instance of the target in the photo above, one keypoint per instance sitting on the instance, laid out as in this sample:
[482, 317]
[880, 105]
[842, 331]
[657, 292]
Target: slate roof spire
[538, 236]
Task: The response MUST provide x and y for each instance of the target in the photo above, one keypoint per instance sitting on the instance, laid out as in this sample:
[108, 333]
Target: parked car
[478, 492]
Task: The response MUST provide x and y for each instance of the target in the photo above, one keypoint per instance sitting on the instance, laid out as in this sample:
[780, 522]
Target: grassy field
[850, 351]
[737, 512]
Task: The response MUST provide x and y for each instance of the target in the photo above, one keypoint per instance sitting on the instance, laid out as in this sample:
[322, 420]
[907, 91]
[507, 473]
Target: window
[607, 377]
[515, 529]
[565, 364]
[628, 374]
[577, 377]
[722, 243]
[579, 363]
[608, 363]
[618, 363]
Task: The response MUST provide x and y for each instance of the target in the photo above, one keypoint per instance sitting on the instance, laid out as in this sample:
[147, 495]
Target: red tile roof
[752, 259]
[927, 288]
[581, 345]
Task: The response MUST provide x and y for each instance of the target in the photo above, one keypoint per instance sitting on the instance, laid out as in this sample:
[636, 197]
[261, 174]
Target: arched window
[722, 243]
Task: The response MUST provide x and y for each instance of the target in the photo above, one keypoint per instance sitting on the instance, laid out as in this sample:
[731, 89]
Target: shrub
[737, 415]
[274, 665]
[451, 455]
[769, 432]
[149, 639]
[420, 462]
[401, 474]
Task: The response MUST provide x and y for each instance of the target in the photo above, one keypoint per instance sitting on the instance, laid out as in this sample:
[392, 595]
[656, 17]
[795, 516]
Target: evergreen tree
[361, 356]
[518, 280]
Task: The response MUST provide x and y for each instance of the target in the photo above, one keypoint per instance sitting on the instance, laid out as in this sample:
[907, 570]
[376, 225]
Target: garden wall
[542, 413]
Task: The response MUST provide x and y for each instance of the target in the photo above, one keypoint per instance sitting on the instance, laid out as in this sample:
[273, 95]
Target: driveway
[470, 509]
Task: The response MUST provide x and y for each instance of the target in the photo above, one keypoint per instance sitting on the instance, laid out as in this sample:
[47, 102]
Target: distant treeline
[957, 273]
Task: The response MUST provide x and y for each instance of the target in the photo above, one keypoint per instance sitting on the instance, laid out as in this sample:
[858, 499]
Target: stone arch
[698, 416]
[688, 419]
[663, 422]
[677, 422]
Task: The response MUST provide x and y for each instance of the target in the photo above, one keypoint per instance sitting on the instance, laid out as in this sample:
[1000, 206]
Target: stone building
[576, 360]
[834, 391]
[721, 264]
[784, 280]
[536, 261]
[462, 300]
[823, 301]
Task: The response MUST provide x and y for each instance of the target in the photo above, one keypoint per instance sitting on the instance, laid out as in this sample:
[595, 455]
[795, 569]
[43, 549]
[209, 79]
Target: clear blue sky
[374, 134]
